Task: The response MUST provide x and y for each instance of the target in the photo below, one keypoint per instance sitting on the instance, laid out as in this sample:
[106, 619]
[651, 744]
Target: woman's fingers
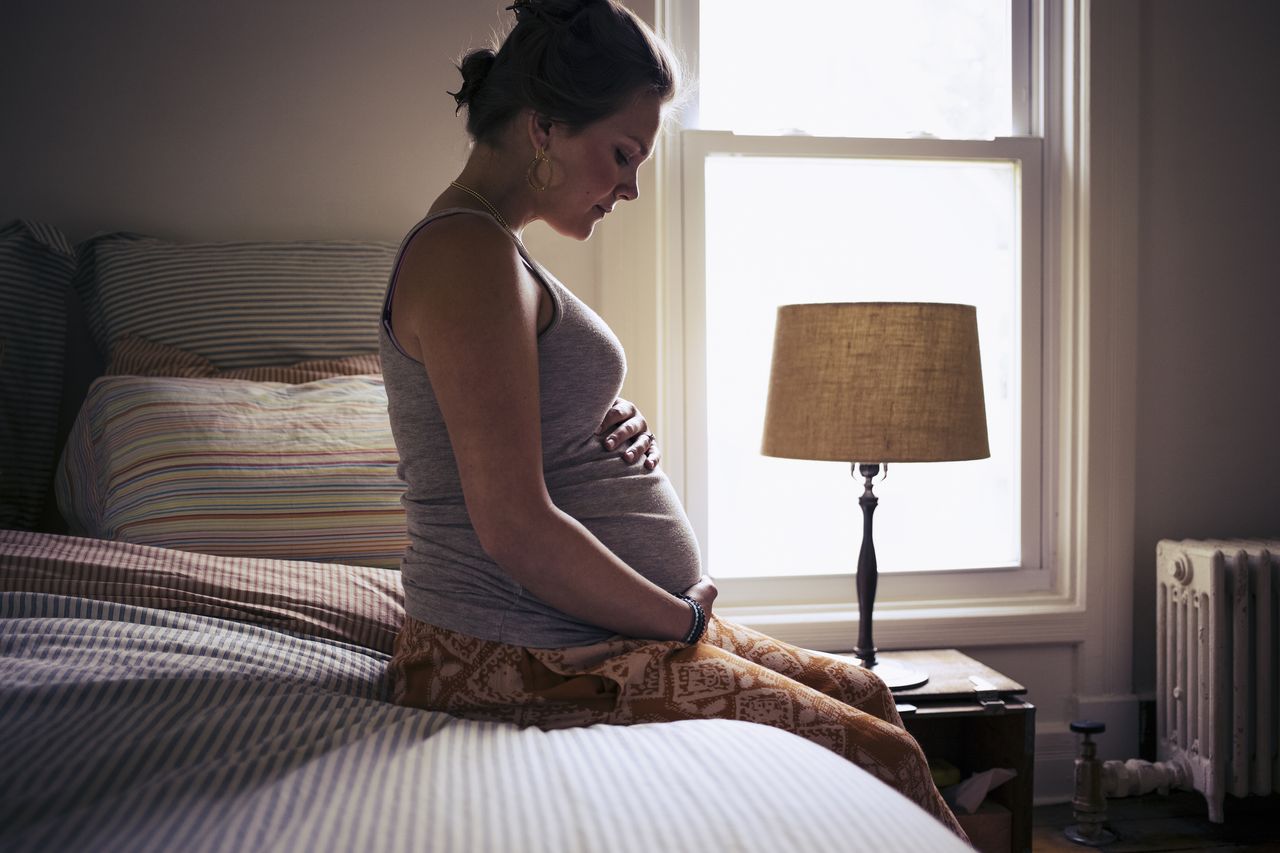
[620, 412]
[652, 455]
[640, 447]
[621, 435]
[624, 429]
[621, 424]
[636, 442]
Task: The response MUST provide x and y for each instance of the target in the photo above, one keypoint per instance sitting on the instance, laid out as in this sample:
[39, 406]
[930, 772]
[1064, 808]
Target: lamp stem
[867, 570]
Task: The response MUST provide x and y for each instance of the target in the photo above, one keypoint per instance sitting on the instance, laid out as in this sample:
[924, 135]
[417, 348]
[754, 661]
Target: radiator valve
[1136, 777]
[1089, 805]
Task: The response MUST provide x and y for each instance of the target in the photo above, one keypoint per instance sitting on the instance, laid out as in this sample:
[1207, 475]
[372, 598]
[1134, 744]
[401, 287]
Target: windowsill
[896, 590]
[1016, 620]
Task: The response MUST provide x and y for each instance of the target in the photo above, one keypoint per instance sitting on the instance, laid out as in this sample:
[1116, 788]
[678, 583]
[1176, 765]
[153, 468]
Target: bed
[193, 646]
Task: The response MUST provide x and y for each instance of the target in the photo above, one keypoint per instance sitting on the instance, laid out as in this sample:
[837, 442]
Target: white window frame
[653, 324]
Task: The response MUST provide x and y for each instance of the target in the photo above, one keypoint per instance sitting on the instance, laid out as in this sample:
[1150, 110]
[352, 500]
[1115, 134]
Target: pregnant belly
[638, 517]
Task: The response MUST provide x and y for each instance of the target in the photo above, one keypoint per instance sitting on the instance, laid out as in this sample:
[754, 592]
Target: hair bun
[475, 68]
[556, 13]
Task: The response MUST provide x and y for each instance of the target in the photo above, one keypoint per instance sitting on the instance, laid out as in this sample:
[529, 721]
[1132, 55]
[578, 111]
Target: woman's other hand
[704, 592]
[624, 429]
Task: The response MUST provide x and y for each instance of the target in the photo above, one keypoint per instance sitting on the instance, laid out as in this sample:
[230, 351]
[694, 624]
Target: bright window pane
[787, 230]
[876, 68]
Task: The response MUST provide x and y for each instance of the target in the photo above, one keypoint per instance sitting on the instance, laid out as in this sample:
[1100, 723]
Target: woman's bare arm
[471, 309]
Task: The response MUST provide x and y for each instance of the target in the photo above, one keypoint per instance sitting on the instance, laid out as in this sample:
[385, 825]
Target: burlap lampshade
[876, 382]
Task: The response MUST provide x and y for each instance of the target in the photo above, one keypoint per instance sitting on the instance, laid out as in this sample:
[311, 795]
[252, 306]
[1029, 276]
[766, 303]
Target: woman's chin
[577, 230]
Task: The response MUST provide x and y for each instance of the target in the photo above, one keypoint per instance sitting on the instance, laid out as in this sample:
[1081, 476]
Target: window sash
[685, 443]
[1028, 23]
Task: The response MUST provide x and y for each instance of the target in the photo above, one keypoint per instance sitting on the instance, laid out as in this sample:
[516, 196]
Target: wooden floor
[1177, 822]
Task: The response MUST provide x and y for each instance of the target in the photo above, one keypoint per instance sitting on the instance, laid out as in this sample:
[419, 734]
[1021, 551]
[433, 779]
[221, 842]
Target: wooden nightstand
[952, 722]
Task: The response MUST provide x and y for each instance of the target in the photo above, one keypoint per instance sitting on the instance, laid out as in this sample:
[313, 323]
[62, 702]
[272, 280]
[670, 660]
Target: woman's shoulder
[459, 230]
[461, 243]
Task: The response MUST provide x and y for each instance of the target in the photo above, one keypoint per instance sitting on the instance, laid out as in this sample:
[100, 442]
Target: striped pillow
[237, 468]
[135, 356]
[243, 304]
[36, 264]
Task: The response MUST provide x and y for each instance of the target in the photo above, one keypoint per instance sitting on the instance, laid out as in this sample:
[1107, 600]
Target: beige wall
[1208, 454]
[242, 119]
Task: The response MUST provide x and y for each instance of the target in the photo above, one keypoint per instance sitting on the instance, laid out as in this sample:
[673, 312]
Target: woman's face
[595, 168]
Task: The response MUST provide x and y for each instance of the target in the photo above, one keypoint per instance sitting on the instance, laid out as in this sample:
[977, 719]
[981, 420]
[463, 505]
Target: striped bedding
[352, 604]
[217, 466]
[129, 724]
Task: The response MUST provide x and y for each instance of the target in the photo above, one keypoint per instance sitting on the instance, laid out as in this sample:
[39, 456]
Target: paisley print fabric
[732, 673]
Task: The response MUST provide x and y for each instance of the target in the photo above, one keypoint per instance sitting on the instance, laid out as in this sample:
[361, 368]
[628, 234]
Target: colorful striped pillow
[237, 468]
[244, 304]
[36, 264]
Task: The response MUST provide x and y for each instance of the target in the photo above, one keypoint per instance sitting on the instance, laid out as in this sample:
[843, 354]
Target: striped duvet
[128, 724]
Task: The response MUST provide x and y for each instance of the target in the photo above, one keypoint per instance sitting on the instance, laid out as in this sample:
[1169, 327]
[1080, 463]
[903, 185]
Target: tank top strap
[548, 281]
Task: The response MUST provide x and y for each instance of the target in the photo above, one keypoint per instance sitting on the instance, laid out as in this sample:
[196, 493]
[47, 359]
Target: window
[851, 151]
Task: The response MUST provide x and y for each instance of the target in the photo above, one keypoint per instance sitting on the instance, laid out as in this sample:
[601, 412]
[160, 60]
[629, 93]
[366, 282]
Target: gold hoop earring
[531, 174]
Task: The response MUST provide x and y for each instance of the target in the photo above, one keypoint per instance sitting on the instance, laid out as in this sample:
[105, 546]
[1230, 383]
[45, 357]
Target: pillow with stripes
[36, 264]
[237, 468]
[241, 304]
[136, 356]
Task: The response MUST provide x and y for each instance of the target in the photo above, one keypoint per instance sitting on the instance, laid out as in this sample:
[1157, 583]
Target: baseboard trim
[1055, 765]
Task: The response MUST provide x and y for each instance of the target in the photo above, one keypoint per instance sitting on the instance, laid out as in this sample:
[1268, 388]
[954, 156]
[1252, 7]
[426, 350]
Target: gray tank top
[449, 580]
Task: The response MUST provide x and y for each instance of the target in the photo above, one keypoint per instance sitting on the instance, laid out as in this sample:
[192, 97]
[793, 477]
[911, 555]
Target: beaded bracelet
[699, 621]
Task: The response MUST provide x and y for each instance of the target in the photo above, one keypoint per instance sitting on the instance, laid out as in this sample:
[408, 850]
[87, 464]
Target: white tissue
[972, 791]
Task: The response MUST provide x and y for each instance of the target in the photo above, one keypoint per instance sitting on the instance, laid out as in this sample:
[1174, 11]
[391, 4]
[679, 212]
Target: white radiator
[1218, 650]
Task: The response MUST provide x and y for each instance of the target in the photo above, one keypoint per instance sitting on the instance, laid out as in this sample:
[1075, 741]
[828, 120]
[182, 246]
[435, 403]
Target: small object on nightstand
[988, 696]
[1089, 806]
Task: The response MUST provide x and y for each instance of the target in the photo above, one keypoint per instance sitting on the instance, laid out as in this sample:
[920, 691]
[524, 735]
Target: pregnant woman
[552, 577]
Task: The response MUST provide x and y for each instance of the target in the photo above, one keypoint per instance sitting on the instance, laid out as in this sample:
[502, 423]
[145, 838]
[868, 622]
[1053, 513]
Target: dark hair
[573, 61]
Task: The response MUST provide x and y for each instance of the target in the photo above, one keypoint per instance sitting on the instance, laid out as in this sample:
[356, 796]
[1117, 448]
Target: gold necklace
[496, 215]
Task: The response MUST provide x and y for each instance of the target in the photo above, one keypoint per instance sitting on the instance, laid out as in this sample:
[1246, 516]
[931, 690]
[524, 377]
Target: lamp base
[1089, 835]
[895, 675]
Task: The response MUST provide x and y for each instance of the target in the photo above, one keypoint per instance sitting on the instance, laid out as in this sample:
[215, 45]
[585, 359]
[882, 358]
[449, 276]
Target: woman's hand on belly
[704, 592]
[624, 429]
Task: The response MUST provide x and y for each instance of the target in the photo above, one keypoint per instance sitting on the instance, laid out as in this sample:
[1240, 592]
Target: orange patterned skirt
[732, 673]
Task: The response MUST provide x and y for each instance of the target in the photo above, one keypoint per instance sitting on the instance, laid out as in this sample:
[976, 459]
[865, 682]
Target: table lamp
[874, 383]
